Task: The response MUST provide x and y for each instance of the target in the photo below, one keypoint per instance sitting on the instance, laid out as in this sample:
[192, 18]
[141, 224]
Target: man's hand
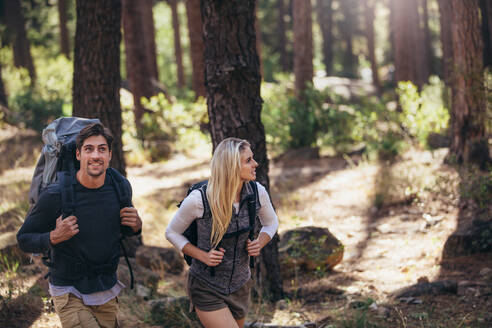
[129, 217]
[65, 229]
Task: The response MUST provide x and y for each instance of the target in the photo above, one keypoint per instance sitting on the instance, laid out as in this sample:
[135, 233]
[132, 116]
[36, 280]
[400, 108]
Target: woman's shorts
[205, 298]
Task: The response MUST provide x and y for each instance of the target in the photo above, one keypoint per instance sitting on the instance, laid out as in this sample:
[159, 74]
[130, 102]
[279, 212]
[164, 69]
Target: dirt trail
[386, 248]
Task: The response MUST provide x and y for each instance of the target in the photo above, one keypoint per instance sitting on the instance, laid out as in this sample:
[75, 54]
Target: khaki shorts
[205, 298]
[74, 313]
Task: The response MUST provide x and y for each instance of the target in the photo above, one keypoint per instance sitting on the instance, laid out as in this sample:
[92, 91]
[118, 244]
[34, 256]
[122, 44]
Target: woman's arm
[269, 222]
[190, 209]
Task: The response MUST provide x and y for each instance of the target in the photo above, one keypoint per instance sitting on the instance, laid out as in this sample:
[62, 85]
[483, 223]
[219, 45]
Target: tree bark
[303, 45]
[62, 16]
[258, 38]
[232, 80]
[282, 39]
[407, 42]
[146, 10]
[446, 39]
[195, 31]
[468, 115]
[427, 46]
[348, 28]
[371, 49]
[486, 9]
[3, 97]
[178, 52]
[325, 21]
[96, 77]
[16, 23]
[137, 68]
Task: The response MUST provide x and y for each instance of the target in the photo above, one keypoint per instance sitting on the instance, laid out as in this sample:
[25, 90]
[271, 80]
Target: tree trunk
[407, 42]
[3, 98]
[195, 31]
[446, 40]
[369, 24]
[258, 38]
[62, 16]
[282, 39]
[146, 7]
[468, 114]
[486, 9]
[427, 46]
[303, 45]
[20, 43]
[232, 79]
[177, 43]
[325, 21]
[96, 77]
[348, 28]
[137, 68]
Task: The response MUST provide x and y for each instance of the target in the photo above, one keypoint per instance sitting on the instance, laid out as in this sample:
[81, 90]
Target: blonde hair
[223, 184]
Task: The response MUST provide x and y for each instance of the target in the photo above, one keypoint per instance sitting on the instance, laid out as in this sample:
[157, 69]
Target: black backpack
[191, 233]
[58, 163]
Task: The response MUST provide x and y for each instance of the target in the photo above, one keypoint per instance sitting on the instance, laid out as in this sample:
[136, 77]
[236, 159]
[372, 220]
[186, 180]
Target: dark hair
[96, 129]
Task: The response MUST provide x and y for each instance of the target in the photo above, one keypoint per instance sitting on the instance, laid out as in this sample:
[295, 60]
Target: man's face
[94, 156]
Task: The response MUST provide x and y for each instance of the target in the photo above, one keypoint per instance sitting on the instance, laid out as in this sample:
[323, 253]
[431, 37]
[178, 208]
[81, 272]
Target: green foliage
[165, 128]
[33, 111]
[51, 96]
[423, 112]
[314, 121]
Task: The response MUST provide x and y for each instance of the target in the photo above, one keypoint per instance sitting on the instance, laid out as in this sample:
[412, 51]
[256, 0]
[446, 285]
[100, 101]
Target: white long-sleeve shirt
[192, 208]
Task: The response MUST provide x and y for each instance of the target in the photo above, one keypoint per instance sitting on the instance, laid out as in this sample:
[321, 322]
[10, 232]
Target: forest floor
[393, 219]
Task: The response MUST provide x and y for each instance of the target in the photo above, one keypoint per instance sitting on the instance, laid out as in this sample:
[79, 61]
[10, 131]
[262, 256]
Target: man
[84, 246]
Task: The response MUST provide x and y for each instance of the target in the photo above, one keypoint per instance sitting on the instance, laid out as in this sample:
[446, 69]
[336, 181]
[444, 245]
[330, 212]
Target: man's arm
[34, 235]
[130, 220]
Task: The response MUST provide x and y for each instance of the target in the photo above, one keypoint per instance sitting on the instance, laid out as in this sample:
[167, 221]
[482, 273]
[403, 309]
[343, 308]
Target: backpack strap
[252, 216]
[66, 181]
[123, 194]
[120, 186]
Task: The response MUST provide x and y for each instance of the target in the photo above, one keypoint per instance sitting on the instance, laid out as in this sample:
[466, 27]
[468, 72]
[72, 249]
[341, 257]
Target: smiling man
[84, 245]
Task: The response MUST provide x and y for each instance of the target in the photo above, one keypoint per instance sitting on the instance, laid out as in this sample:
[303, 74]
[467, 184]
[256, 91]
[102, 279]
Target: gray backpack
[58, 153]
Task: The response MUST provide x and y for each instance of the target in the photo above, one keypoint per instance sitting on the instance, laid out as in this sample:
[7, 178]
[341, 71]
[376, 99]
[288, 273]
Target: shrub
[423, 113]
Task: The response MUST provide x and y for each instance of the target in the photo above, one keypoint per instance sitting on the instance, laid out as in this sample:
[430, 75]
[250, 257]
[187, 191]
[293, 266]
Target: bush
[165, 128]
[423, 113]
[34, 112]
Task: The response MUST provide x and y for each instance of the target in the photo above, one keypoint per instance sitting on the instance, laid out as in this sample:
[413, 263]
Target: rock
[373, 307]
[10, 251]
[308, 248]
[141, 275]
[427, 288]
[143, 292]
[281, 305]
[383, 312]
[468, 239]
[410, 300]
[472, 288]
[160, 260]
[173, 312]
[485, 273]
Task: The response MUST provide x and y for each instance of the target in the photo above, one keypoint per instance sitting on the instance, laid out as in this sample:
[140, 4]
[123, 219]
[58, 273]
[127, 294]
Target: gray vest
[233, 272]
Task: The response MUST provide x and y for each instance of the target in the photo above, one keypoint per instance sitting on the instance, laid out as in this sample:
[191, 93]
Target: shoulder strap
[65, 179]
[120, 186]
[252, 217]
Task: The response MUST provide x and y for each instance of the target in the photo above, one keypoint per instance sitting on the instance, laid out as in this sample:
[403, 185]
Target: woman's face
[248, 165]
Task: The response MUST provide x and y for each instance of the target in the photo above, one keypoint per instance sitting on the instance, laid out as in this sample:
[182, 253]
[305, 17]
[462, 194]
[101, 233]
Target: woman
[219, 281]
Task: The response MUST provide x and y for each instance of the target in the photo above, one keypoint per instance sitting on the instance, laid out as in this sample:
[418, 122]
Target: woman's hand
[253, 247]
[214, 257]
